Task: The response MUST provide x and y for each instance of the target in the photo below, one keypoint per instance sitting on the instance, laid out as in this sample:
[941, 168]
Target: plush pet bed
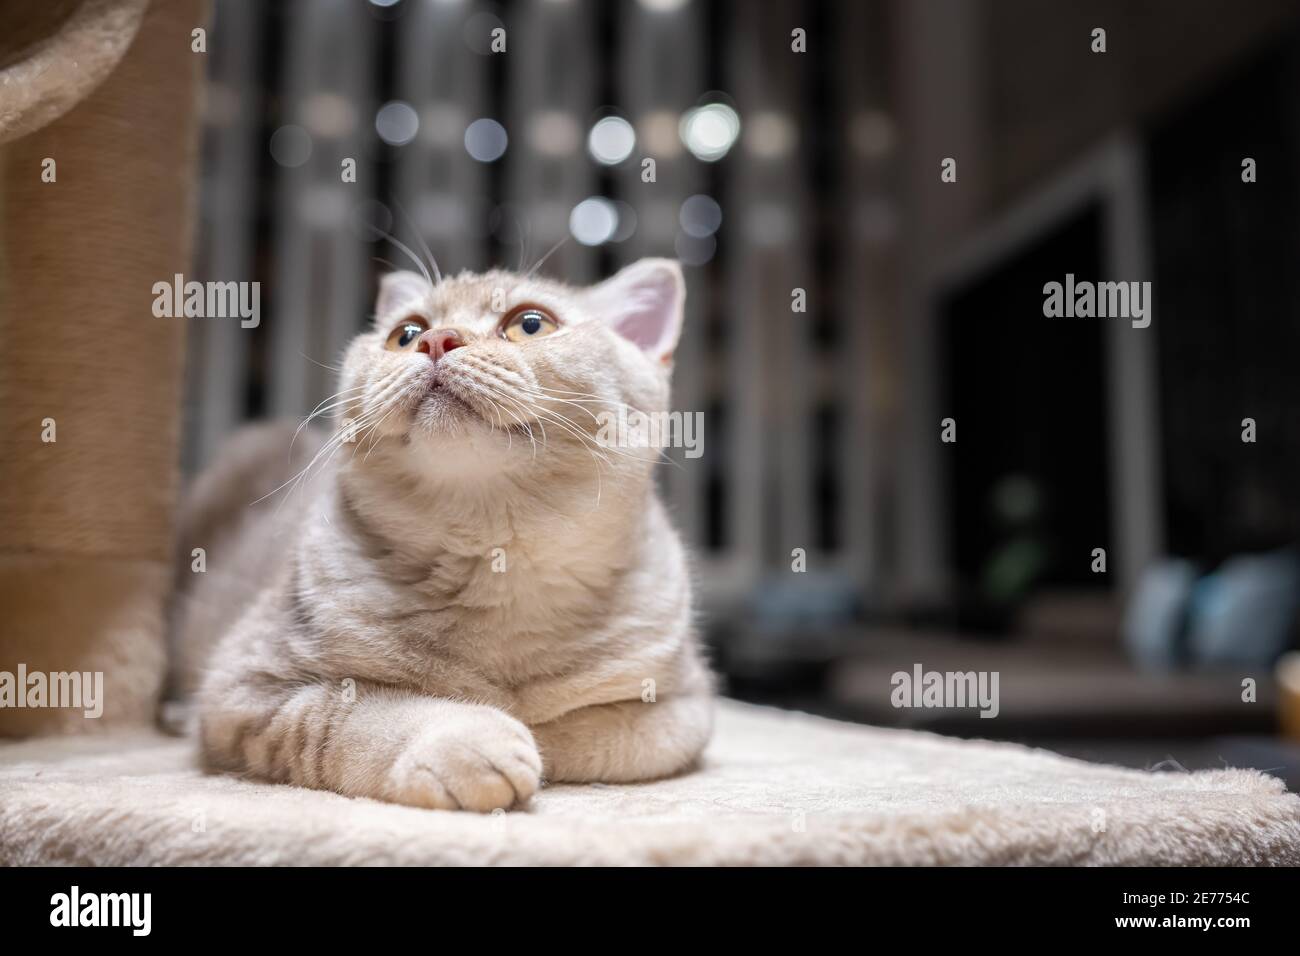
[775, 788]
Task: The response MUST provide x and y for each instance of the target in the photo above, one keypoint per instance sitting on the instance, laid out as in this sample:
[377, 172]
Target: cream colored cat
[475, 594]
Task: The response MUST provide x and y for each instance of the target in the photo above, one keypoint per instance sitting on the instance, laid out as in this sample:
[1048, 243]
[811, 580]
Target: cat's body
[461, 604]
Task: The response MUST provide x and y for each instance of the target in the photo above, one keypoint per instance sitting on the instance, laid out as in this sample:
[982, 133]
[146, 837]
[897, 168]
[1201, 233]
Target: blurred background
[797, 152]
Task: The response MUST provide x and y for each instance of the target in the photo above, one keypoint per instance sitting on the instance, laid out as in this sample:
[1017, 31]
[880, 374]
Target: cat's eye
[528, 323]
[404, 335]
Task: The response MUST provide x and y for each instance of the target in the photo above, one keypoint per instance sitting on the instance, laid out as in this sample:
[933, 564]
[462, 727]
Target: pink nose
[438, 342]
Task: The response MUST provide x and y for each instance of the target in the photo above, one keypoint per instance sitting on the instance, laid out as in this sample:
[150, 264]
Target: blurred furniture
[1045, 691]
[1049, 690]
[1063, 673]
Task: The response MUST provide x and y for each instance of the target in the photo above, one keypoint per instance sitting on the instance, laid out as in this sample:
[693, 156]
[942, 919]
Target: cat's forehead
[470, 293]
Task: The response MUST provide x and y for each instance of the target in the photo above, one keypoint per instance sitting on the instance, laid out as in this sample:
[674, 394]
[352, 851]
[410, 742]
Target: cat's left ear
[645, 303]
[399, 291]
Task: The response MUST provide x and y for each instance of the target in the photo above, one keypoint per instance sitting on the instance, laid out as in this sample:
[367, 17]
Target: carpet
[775, 788]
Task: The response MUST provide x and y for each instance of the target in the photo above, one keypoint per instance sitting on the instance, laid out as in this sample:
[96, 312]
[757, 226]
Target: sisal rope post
[86, 519]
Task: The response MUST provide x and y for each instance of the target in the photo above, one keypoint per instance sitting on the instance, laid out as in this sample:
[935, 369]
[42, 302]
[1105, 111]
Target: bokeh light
[291, 146]
[486, 140]
[700, 216]
[611, 140]
[594, 221]
[710, 131]
[627, 221]
[397, 123]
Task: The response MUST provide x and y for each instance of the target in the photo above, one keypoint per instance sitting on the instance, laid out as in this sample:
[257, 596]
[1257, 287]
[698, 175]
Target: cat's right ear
[399, 292]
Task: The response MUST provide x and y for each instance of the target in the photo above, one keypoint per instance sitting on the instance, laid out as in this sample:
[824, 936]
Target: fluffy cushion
[775, 788]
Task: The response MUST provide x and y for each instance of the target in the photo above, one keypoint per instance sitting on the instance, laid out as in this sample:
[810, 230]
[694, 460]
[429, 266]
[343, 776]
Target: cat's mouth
[446, 405]
[458, 400]
[442, 395]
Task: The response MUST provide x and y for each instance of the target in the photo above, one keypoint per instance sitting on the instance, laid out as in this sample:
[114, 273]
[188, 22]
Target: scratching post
[107, 89]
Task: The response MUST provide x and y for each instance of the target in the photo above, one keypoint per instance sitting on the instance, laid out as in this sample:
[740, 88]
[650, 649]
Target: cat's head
[499, 373]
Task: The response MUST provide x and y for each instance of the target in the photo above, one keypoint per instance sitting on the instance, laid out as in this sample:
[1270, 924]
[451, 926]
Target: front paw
[481, 759]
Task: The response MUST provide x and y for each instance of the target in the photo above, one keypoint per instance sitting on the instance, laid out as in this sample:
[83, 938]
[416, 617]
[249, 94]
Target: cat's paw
[481, 759]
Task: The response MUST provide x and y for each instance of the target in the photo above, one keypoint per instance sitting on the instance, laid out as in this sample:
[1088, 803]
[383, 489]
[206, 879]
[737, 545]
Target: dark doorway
[1027, 479]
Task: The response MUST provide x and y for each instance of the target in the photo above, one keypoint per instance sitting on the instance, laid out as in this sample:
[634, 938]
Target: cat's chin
[442, 412]
[448, 438]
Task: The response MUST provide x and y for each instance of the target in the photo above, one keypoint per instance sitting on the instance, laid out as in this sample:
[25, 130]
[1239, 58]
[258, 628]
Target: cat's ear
[644, 303]
[399, 291]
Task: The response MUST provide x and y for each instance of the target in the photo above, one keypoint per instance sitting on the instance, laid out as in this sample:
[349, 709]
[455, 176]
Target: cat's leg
[370, 741]
[626, 741]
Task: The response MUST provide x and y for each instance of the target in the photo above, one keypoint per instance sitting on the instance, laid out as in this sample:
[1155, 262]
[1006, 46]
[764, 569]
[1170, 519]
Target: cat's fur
[474, 595]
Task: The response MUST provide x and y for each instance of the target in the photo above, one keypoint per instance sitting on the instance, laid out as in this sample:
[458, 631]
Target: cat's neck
[569, 516]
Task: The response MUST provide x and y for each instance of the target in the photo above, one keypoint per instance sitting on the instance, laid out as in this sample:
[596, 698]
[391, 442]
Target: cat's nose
[438, 342]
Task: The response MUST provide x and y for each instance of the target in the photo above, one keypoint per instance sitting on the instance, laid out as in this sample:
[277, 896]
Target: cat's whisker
[661, 456]
[340, 392]
[544, 415]
[596, 459]
[420, 239]
[345, 397]
[374, 430]
[328, 449]
[584, 439]
[521, 230]
[496, 408]
[519, 385]
[353, 435]
[500, 425]
[539, 395]
[294, 481]
[567, 425]
[585, 398]
[341, 397]
[594, 456]
[540, 262]
[523, 423]
[291, 481]
[318, 411]
[486, 387]
[424, 270]
[328, 368]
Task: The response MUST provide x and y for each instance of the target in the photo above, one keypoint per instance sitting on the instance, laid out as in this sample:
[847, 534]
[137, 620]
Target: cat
[463, 594]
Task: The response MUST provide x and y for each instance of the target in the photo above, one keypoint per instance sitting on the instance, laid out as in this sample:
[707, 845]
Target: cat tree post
[107, 89]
